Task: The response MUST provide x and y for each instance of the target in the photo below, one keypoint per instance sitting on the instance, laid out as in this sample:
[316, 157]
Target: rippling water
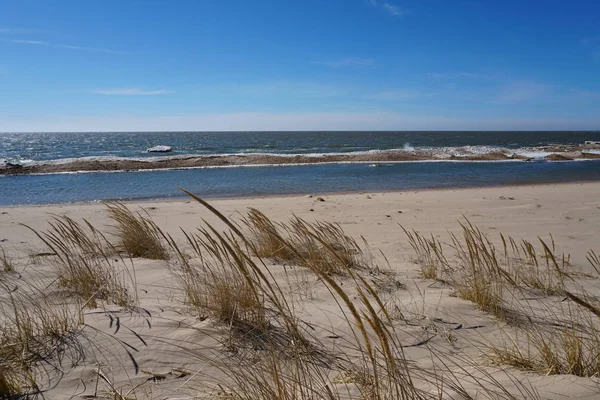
[256, 181]
[270, 180]
[54, 146]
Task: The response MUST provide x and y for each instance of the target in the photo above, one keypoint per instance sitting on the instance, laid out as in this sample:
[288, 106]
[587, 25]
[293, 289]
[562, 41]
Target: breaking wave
[407, 153]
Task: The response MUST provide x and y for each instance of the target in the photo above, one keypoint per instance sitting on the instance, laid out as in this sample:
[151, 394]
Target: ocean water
[272, 180]
[20, 147]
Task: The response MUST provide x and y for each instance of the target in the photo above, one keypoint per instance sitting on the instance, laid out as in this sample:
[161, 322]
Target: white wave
[533, 154]
[72, 160]
[23, 162]
[473, 150]
[159, 149]
[438, 152]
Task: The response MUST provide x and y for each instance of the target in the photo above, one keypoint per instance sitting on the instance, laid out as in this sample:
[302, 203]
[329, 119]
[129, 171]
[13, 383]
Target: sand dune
[175, 348]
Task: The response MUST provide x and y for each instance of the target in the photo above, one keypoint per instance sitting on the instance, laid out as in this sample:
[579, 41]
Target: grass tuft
[34, 329]
[549, 337]
[137, 233]
[559, 350]
[321, 245]
[9, 382]
[87, 264]
[266, 236]
[594, 261]
[216, 285]
[6, 263]
[429, 254]
[220, 281]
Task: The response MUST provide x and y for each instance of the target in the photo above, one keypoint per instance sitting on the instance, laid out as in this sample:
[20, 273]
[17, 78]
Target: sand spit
[550, 153]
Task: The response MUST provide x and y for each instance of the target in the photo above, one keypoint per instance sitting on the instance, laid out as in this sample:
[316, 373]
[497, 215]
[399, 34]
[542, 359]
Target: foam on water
[53, 146]
[533, 154]
[254, 158]
[286, 179]
[408, 147]
[339, 161]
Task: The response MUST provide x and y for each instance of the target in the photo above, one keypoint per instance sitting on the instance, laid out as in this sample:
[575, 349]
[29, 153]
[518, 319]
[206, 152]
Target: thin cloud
[542, 93]
[393, 10]
[22, 41]
[18, 31]
[314, 90]
[390, 8]
[455, 75]
[61, 45]
[287, 89]
[347, 62]
[397, 95]
[518, 92]
[132, 92]
[257, 121]
[583, 94]
[454, 80]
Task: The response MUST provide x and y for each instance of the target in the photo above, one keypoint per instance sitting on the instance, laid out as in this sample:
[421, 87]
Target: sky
[246, 65]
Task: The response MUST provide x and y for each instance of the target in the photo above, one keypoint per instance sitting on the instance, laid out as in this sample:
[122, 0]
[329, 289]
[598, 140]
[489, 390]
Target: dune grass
[481, 273]
[478, 276]
[266, 236]
[87, 264]
[562, 351]
[322, 245]
[221, 281]
[271, 351]
[34, 330]
[569, 344]
[594, 261]
[547, 335]
[429, 254]
[370, 363]
[6, 264]
[137, 233]
[42, 329]
[217, 282]
[44, 336]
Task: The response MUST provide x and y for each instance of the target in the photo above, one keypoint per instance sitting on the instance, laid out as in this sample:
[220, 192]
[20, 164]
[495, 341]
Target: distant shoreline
[98, 164]
[286, 131]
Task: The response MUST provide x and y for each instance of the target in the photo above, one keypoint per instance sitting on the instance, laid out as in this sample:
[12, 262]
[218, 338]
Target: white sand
[570, 212]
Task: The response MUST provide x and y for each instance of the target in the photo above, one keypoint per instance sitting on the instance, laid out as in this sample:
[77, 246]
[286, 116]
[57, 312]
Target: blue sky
[299, 65]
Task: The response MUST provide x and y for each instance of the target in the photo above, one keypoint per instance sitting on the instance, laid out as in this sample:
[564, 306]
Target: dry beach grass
[252, 307]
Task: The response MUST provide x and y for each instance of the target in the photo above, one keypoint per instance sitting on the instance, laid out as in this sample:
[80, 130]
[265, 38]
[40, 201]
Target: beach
[346, 200]
[564, 210]
[169, 337]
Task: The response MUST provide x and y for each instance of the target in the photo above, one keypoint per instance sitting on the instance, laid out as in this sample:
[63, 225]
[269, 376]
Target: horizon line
[313, 130]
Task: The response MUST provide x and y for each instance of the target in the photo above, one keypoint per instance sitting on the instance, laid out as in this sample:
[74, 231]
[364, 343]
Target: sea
[277, 179]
